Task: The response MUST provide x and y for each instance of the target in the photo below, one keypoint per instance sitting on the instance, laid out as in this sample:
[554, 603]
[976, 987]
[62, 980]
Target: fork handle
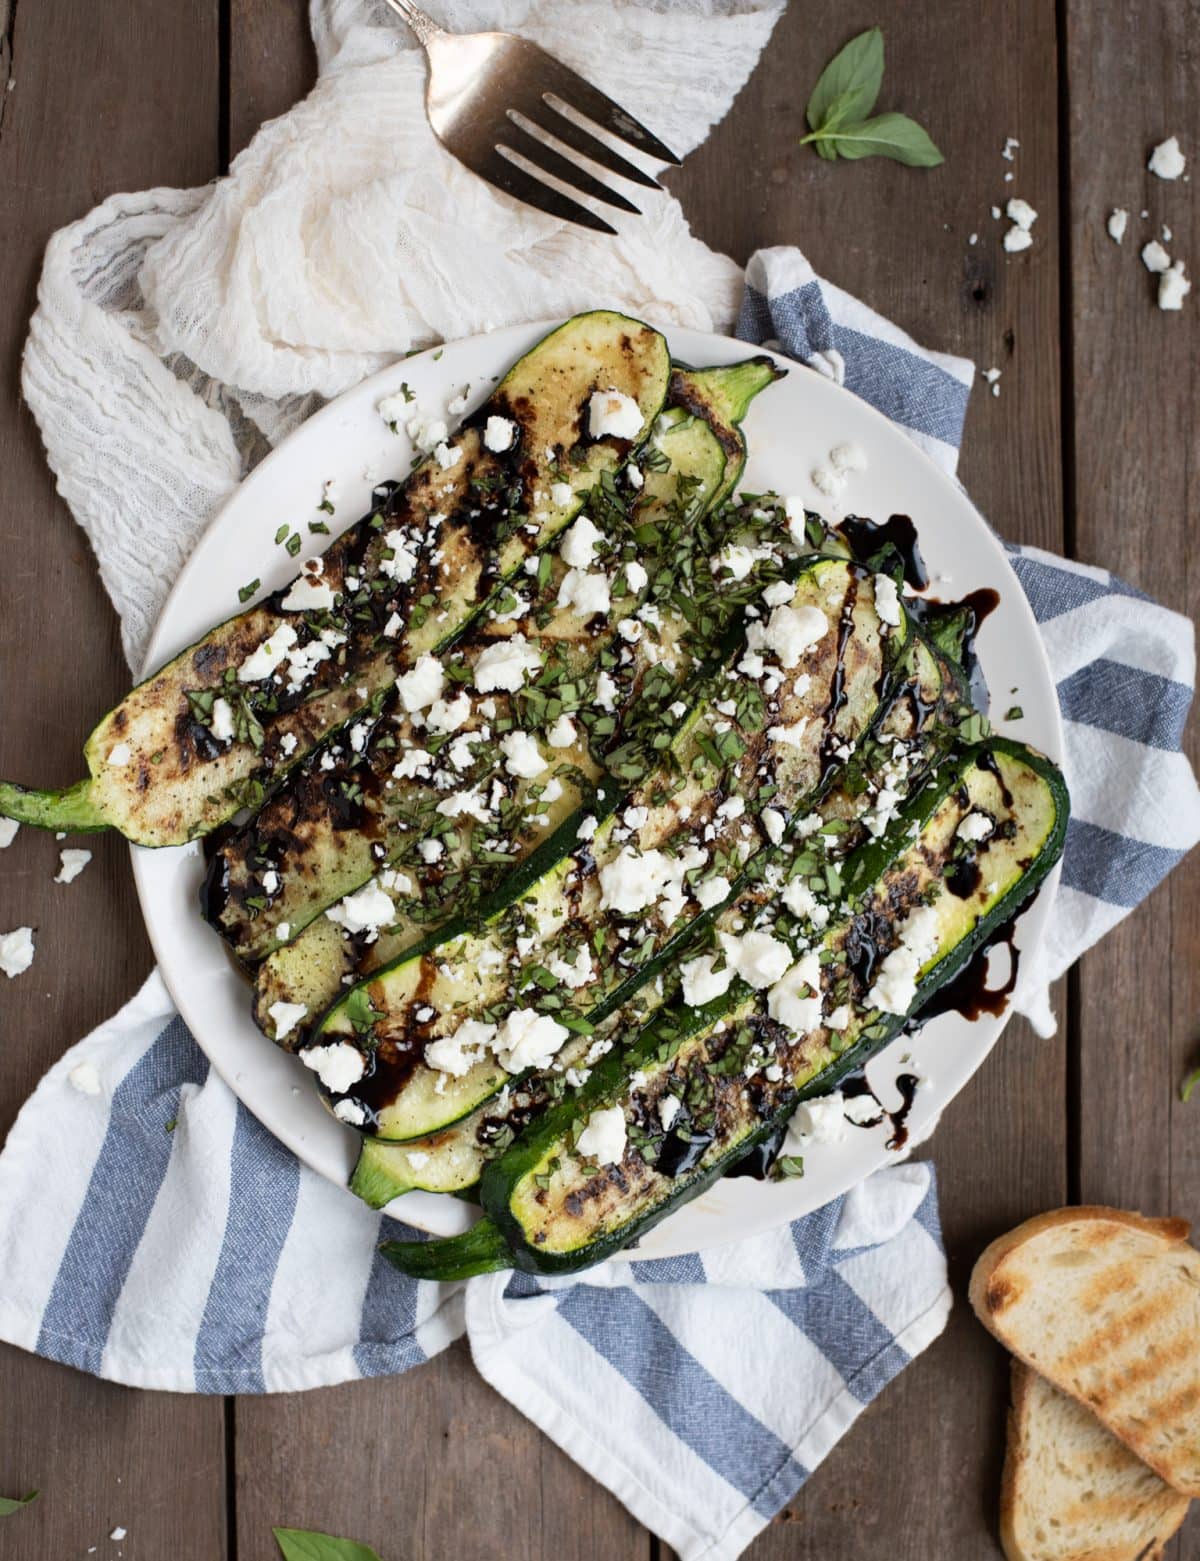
[424, 26]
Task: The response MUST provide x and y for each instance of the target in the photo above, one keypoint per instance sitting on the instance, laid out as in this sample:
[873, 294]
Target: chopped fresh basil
[245, 592]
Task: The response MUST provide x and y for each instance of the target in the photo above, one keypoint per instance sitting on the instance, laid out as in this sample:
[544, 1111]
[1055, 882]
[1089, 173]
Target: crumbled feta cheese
[788, 633]
[795, 998]
[470, 802]
[120, 755]
[997, 213]
[350, 1112]
[285, 1017]
[606, 691]
[522, 756]
[773, 822]
[261, 663]
[561, 494]
[668, 1110]
[636, 577]
[1118, 220]
[976, 826]
[578, 548]
[71, 864]
[636, 880]
[1010, 146]
[848, 457]
[1173, 287]
[504, 667]
[587, 828]
[757, 957]
[457, 1054]
[992, 376]
[369, 910]
[887, 601]
[422, 684]
[527, 1039]
[446, 455]
[16, 951]
[778, 593]
[1166, 160]
[1022, 213]
[118, 1533]
[612, 414]
[405, 553]
[604, 1138]
[85, 1077]
[8, 832]
[585, 593]
[1155, 257]
[499, 434]
[711, 891]
[825, 480]
[412, 763]
[1017, 239]
[576, 973]
[431, 851]
[839, 1019]
[283, 932]
[895, 988]
[448, 715]
[821, 1121]
[562, 733]
[789, 736]
[393, 409]
[701, 983]
[339, 1066]
[309, 593]
[863, 1110]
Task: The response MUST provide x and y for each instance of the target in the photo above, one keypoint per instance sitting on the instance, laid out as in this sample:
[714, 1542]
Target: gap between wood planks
[8, 33]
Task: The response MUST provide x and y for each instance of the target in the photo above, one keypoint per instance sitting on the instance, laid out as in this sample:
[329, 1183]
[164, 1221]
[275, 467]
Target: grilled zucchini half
[662, 1118]
[217, 726]
[443, 1028]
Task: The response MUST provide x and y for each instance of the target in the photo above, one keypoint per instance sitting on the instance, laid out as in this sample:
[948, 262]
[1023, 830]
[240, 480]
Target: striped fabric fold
[178, 1246]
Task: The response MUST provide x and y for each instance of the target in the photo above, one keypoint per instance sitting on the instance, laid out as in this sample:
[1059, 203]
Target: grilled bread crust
[1106, 1305]
[1072, 1491]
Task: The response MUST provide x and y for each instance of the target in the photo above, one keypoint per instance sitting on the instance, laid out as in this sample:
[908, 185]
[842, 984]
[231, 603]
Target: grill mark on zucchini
[556, 1213]
[174, 787]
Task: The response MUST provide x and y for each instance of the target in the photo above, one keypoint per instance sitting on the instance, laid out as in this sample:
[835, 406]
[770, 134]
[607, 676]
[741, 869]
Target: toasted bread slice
[1071, 1491]
[1106, 1306]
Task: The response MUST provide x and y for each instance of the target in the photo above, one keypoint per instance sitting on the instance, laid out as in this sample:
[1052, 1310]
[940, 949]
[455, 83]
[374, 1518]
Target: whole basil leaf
[297, 1544]
[10, 1504]
[848, 86]
[887, 135]
[1188, 1085]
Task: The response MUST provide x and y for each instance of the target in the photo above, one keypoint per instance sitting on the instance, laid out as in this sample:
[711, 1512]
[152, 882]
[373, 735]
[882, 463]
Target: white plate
[791, 429]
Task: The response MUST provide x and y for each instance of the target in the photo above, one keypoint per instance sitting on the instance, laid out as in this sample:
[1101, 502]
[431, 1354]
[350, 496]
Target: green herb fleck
[11, 1504]
[245, 592]
[293, 543]
[297, 1544]
[281, 533]
[1188, 1085]
[1014, 713]
[787, 1166]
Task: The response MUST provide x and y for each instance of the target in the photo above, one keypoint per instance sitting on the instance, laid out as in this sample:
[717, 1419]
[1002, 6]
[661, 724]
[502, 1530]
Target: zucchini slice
[209, 732]
[329, 827]
[921, 900]
[925, 706]
[597, 686]
[450, 1024]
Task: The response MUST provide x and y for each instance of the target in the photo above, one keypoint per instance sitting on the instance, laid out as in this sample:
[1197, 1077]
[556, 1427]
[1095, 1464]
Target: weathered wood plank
[1136, 442]
[919, 1475]
[104, 98]
[272, 64]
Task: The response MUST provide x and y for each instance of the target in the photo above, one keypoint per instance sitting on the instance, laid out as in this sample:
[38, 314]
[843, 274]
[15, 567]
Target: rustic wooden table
[1091, 448]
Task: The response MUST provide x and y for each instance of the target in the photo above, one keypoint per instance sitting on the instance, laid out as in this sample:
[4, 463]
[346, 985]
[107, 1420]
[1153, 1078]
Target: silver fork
[487, 95]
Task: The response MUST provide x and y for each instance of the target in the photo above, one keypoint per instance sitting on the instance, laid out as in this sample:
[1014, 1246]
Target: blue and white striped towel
[701, 1390]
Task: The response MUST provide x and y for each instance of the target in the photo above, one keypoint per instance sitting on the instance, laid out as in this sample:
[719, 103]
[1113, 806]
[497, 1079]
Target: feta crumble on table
[16, 951]
[85, 1078]
[1166, 160]
[1021, 212]
[1173, 287]
[1118, 221]
[8, 832]
[339, 1066]
[1155, 257]
[71, 864]
[992, 376]
[1010, 146]
[612, 414]
[285, 1017]
[604, 1137]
